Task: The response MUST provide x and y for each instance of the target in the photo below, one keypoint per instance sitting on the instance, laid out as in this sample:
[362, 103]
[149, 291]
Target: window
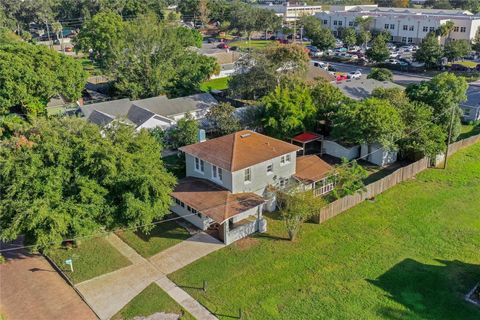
[199, 165]
[463, 29]
[217, 173]
[325, 21]
[387, 25]
[466, 112]
[340, 22]
[334, 22]
[455, 29]
[283, 182]
[287, 158]
[392, 27]
[431, 29]
[411, 28]
[404, 39]
[405, 27]
[248, 175]
[282, 160]
[410, 40]
[350, 23]
[182, 204]
[177, 201]
[270, 168]
[425, 29]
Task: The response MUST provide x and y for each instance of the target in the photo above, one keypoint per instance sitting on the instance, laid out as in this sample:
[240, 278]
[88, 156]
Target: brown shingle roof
[311, 169]
[239, 150]
[212, 200]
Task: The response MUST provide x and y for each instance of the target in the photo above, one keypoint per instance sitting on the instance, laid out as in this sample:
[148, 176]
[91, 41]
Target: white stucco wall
[201, 223]
[207, 174]
[378, 155]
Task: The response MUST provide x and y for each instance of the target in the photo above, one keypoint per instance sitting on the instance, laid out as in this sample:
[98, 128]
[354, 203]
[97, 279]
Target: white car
[354, 75]
[319, 64]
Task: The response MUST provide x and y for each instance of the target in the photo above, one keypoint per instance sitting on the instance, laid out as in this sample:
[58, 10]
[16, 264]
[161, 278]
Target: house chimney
[201, 135]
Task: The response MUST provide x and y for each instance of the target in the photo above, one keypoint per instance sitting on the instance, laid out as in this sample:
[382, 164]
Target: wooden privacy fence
[376, 188]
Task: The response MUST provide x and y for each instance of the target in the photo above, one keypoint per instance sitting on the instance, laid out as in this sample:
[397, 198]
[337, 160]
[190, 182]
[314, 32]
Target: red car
[223, 46]
[341, 77]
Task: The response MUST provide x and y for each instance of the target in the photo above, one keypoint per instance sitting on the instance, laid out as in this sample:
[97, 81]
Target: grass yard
[90, 67]
[163, 236]
[469, 130]
[466, 63]
[254, 44]
[413, 253]
[151, 300]
[92, 258]
[215, 84]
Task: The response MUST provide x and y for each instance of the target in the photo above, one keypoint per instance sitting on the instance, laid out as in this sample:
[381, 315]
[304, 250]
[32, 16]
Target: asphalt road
[402, 78]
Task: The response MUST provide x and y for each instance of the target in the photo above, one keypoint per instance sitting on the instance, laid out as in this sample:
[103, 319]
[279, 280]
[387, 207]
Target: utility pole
[450, 129]
[48, 33]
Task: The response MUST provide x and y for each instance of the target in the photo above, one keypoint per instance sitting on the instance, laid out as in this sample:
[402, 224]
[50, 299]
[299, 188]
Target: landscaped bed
[91, 258]
[254, 44]
[411, 254]
[162, 236]
[150, 301]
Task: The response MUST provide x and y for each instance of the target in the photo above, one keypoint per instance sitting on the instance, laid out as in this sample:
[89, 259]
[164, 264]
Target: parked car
[223, 46]
[234, 48]
[331, 68]
[68, 49]
[341, 77]
[212, 40]
[272, 38]
[320, 64]
[354, 75]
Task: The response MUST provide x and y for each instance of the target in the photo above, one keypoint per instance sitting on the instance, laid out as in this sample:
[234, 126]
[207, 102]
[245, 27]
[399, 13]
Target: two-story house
[228, 178]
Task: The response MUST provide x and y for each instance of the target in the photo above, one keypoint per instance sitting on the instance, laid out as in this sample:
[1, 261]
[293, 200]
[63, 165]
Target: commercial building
[292, 11]
[405, 25]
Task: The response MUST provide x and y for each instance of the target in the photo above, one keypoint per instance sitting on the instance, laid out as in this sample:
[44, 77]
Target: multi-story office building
[291, 11]
[404, 24]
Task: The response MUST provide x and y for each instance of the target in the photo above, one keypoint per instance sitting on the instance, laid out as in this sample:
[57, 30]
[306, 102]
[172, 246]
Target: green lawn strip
[256, 44]
[151, 300]
[410, 254]
[176, 165]
[466, 63]
[162, 236]
[215, 84]
[91, 258]
[469, 130]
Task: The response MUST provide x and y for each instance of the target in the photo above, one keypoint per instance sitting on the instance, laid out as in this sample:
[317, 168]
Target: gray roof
[359, 89]
[139, 111]
[115, 108]
[440, 12]
[170, 107]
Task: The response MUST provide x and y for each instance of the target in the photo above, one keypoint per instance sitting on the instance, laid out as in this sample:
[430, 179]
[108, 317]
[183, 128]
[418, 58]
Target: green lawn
[413, 253]
[92, 68]
[92, 258]
[149, 301]
[256, 44]
[469, 130]
[175, 164]
[215, 84]
[163, 236]
[466, 63]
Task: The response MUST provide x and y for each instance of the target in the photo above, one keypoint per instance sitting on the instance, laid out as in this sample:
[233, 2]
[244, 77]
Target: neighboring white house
[470, 113]
[292, 11]
[405, 25]
[149, 113]
[229, 181]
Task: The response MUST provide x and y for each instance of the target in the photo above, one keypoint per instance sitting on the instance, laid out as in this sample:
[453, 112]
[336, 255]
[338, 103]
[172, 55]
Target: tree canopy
[429, 51]
[454, 50]
[184, 133]
[320, 37]
[222, 119]
[380, 74]
[289, 109]
[64, 178]
[379, 51]
[31, 75]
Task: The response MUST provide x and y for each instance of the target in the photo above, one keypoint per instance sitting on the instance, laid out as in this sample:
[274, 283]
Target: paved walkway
[109, 293]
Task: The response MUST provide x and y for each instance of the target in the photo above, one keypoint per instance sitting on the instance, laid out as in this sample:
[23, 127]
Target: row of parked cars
[338, 75]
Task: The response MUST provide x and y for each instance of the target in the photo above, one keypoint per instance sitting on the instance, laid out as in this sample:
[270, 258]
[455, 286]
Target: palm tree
[445, 30]
[58, 28]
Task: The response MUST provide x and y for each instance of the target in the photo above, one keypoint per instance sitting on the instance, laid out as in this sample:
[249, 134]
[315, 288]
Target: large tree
[380, 74]
[369, 121]
[443, 93]
[101, 35]
[327, 100]
[31, 75]
[454, 50]
[288, 110]
[320, 37]
[65, 178]
[222, 119]
[154, 58]
[184, 133]
[379, 51]
[349, 37]
[260, 71]
[429, 51]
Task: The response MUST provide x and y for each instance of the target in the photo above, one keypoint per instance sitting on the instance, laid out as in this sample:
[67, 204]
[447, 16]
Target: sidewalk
[109, 293]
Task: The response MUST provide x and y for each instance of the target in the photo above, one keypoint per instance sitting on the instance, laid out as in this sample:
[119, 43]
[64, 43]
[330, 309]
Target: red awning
[307, 137]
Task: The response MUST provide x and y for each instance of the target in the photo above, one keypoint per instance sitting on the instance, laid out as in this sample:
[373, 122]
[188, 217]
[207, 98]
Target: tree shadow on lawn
[430, 291]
